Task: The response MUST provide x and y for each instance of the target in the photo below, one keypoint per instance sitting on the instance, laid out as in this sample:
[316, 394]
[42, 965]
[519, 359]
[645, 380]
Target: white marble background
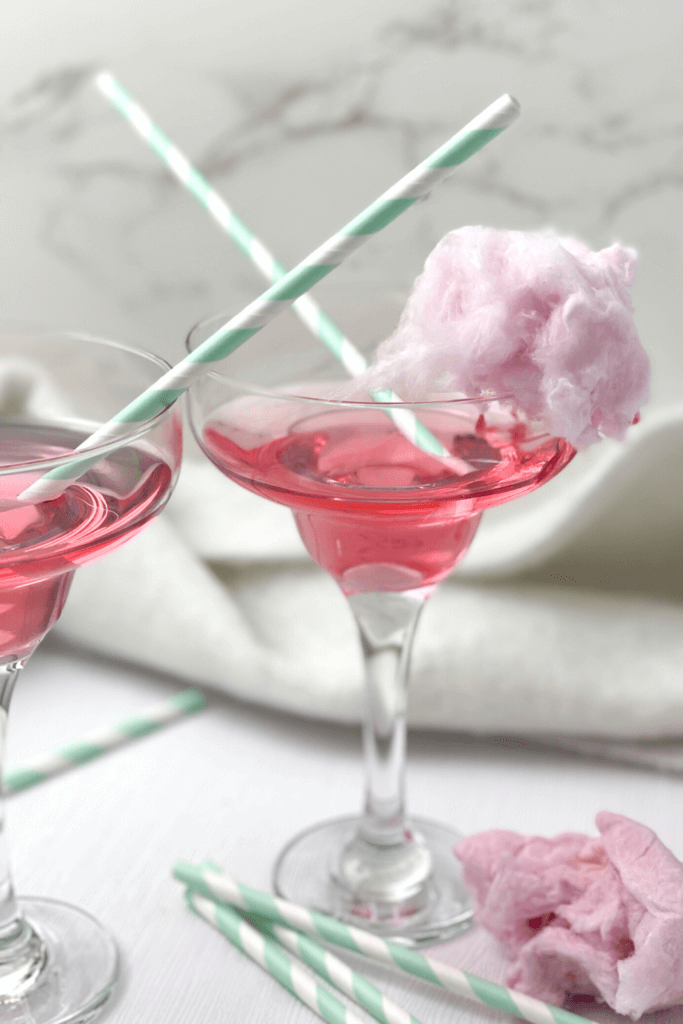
[301, 112]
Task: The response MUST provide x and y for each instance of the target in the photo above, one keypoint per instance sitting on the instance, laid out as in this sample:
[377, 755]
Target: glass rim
[370, 403]
[37, 332]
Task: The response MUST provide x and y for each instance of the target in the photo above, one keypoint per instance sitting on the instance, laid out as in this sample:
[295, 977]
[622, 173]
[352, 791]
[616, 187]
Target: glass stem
[10, 920]
[22, 952]
[387, 624]
[384, 865]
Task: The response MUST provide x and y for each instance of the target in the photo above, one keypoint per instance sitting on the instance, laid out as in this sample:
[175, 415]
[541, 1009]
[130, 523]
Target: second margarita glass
[57, 964]
[388, 522]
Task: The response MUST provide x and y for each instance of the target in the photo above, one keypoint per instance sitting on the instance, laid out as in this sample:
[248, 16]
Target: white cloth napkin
[565, 618]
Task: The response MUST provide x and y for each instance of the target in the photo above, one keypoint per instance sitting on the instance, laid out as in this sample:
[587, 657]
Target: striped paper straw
[270, 955]
[339, 974]
[218, 886]
[412, 187]
[306, 308]
[99, 743]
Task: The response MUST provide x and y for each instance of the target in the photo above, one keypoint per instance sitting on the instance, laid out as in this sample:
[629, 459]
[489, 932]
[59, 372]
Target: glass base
[306, 872]
[79, 971]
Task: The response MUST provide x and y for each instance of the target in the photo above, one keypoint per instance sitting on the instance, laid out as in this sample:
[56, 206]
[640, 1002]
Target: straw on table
[270, 955]
[338, 973]
[306, 308]
[98, 743]
[412, 187]
[218, 886]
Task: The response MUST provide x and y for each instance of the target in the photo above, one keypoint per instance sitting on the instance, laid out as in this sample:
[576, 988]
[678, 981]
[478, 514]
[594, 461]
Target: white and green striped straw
[99, 743]
[217, 886]
[331, 969]
[269, 954]
[306, 307]
[338, 973]
[412, 187]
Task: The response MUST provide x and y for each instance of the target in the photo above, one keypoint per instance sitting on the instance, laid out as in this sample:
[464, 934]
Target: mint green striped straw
[404, 194]
[99, 743]
[217, 886]
[269, 955]
[306, 308]
[330, 968]
[338, 973]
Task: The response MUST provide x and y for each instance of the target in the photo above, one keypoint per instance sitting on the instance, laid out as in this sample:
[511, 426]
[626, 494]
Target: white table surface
[233, 784]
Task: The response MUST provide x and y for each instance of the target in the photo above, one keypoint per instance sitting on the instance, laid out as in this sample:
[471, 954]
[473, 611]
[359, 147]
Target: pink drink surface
[373, 510]
[41, 545]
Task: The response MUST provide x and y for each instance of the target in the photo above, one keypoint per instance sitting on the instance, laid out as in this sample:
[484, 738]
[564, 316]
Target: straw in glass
[99, 743]
[412, 187]
[217, 886]
[269, 954]
[306, 308]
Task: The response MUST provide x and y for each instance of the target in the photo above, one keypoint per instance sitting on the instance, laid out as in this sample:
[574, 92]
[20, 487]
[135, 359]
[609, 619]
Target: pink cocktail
[56, 962]
[388, 521]
[42, 545]
[373, 510]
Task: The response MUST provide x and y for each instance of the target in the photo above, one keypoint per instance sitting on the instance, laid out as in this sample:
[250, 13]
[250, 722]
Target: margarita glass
[388, 521]
[57, 964]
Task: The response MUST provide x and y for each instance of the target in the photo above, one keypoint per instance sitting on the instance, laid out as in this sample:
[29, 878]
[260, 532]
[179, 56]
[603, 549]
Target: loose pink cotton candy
[529, 314]
[577, 915]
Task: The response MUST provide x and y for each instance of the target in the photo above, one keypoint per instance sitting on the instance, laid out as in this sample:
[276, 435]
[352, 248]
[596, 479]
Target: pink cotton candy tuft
[529, 314]
[600, 917]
